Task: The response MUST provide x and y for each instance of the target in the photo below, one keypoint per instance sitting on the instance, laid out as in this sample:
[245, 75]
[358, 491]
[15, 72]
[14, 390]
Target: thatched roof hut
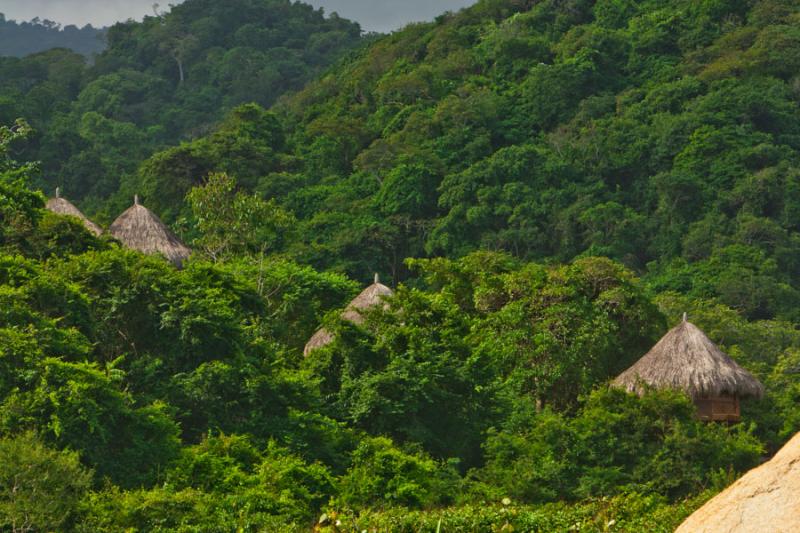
[62, 206]
[140, 229]
[687, 360]
[369, 297]
[764, 499]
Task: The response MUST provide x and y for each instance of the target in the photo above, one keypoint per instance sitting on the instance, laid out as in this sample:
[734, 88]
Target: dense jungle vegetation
[547, 184]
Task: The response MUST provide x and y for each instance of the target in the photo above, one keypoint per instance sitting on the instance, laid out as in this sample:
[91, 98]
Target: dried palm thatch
[369, 297]
[687, 360]
[321, 338]
[140, 229]
[62, 206]
[764, 499]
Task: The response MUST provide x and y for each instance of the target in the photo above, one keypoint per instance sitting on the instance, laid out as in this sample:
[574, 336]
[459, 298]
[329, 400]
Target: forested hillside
[547, 186]
[663, 135]
[19, 39]
[163, 80]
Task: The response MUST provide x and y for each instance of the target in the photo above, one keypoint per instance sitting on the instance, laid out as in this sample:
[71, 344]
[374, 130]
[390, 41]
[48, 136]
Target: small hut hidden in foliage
[62, 206]
[140, 229]
[687, 360]
[763, 500]
[369, 297]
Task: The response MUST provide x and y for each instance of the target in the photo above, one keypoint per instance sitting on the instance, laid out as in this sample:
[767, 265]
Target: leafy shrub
[40, 488]
[384, 475]
[617, 442]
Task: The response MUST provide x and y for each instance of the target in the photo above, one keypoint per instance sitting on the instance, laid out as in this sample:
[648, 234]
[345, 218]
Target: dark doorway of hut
[722, 408]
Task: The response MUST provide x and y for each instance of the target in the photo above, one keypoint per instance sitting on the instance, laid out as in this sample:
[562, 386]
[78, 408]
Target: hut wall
[724, 408]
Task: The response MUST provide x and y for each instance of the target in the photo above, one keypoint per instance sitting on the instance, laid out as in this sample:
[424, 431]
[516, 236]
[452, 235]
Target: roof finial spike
[135, 199]
[377, 278]
[684, 317]
[58, 192]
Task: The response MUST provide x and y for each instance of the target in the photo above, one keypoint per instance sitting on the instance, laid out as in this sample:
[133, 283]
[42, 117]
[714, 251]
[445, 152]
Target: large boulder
[765, 499]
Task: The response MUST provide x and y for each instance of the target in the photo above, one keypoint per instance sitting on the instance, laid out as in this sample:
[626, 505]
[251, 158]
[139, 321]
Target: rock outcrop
[766, 499]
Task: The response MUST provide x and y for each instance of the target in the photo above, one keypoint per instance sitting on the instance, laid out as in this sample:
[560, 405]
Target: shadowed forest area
[19, 39]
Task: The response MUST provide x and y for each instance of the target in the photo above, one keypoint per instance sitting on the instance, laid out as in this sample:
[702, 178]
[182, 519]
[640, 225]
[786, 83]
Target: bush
[225, 483]
[39, 487]
[618, 442]
[630, 513]
[383, 475]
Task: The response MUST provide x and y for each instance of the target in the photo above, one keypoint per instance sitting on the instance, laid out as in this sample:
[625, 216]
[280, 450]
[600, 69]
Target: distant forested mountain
[19, 39]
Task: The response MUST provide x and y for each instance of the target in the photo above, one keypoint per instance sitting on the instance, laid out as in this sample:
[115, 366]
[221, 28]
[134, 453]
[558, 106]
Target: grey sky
[377, 15]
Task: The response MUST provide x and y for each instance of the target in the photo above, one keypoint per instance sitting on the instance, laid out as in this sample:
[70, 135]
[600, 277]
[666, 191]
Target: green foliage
[77, 407]
[383, 475]
[272, 482]
[616, 443]
[232, 223]
[220, 483]
[19, 206]
[24, 228]
[609, 320]
[629, 513]
[487, 332]
[399, 382]
[246, 146]
[40, 488]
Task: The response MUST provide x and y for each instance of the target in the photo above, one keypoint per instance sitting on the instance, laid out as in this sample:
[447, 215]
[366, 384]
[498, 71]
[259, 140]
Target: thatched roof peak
[687, 360]
[369, 297]
[140, 229]
[62, 206]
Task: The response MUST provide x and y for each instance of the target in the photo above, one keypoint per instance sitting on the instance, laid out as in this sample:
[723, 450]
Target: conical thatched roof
[766, 499]
[62, 206]
[140, 229]
[369, 297]
[687, 360]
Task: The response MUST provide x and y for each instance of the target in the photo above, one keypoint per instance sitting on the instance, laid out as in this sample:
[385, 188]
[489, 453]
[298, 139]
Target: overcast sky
[376, 15]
